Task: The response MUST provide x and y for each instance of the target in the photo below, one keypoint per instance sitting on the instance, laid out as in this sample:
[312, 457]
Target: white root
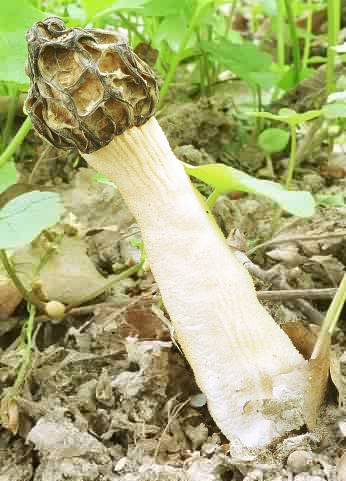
[252, 375]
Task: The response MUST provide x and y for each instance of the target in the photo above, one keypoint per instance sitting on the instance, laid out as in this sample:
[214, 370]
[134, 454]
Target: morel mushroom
[90, 91]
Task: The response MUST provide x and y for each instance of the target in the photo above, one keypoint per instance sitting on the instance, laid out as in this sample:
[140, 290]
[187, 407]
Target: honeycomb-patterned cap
[87, 85]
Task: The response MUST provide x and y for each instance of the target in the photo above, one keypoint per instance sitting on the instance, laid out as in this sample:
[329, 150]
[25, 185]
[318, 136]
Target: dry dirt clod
[299, 461]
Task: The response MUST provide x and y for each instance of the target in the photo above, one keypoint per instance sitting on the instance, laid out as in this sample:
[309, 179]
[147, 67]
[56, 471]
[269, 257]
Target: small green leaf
[226, 179]
[24, 217]
[331, 200]
[102, 179]
[273, 140]
[289, 116]
[334, 111]
[8, 176]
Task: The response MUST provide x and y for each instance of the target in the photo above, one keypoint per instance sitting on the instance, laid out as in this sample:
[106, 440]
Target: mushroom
[91, 92]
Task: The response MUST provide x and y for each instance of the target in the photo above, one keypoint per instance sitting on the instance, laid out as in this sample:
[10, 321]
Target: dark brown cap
[87, 85]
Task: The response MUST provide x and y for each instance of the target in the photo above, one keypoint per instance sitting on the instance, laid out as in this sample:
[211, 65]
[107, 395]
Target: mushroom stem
[252, 375]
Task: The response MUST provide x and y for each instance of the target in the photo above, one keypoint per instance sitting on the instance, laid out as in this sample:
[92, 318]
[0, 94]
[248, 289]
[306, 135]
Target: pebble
[299, 461]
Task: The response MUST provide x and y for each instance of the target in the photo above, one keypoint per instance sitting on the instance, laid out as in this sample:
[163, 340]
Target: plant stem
[259, 107]
[11, 113]
[270, 166]
[28, 296]
[294, 40]
[178, 55]
[333, 32]
[28, 330]
[204, 70]
[331, 318]
[293, 156]
[229, 22]
[213, 198]
[281, 24]
[131, 27]
[16, 141]
[123, 275]
[307, 43]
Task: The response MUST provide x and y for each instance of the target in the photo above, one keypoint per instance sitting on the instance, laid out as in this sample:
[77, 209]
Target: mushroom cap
[87, 85]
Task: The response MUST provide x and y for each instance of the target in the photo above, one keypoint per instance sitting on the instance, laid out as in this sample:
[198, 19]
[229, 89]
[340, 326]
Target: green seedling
[271, 141]
[292, 119]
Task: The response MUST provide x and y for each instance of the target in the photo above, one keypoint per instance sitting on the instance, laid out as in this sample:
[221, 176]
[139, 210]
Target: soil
[109, 396]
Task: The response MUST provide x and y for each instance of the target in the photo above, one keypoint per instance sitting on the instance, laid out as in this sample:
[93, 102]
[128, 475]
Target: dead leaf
[9, 414]
[10, 297]
[139, 320]
[69, 275]
[289, 255]
[341, 468]
[338, 375]
[318, 369]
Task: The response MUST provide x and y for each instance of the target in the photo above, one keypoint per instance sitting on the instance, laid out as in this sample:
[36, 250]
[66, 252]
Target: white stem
[253, 377]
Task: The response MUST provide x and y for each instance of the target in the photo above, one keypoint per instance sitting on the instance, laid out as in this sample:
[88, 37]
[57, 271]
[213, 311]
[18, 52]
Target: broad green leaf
[159, 8]
[334, 111]
[24, 217]
[273, 140]
[16, 17]
[94, 7]
[244, 60]
[226, 179]
[8, 176]
[269, 7]
[171, 30]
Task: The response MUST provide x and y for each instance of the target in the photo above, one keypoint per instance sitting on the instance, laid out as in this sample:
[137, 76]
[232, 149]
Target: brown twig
[280, 282]
[292, 294]
[297, 238]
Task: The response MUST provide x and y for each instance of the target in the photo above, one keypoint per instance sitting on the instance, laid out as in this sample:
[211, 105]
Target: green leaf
[244, 60]
[288, 80]
[273, 140]
[334, 110]
[171, 30]
[102, 179]
[289, 116]
[331, 200]
[269, 7]
[93, 7]
[16, 18]
[24, 217]
[158, 8]
[8, 176]
[226, 179]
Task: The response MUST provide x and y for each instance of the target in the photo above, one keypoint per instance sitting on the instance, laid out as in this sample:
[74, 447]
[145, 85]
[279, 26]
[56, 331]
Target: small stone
[299, 461]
